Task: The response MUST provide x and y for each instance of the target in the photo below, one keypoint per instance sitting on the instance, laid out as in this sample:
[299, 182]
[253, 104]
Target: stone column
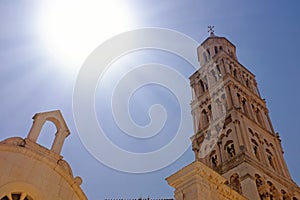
[59, 140]
[228, 97]
[249, 187]
[36, 128]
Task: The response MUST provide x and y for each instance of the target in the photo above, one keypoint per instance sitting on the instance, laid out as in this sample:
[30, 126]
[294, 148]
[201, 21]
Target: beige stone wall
[31, 170]
[197, 181]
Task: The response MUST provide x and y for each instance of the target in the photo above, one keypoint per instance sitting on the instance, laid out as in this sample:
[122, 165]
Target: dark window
[208, 52]
[216, 49]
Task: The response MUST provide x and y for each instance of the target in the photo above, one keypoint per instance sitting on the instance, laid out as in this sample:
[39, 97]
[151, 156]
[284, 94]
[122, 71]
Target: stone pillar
[59, 140]
[249, 187]
[228, 98]
[239, 134]
[36, 128]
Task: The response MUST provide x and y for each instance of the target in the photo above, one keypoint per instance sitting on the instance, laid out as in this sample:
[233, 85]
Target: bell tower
[233, 132]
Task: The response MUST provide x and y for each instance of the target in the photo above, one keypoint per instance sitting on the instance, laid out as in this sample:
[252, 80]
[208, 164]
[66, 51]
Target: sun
[71, 30]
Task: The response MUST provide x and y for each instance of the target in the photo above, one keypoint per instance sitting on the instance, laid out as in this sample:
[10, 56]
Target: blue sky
[36, 78]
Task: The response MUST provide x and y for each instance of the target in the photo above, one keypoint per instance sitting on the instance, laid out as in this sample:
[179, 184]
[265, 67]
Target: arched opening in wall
[205, 118]
[260, 187]
[229, 148]
[47, 134]
[250, 131]
[255, 148]
[20, 191]
[16, 196]
[235, 73]
[273, 192]
[235, 183]
[244, 104]
[208, 53]
[209, 112]
[213, 159]
[202, 86]
[239, 97]
[230, 69]
[285, 195]
[258, 180]
[270, 158]
[247, 84]
[228, 132]
[216, 49]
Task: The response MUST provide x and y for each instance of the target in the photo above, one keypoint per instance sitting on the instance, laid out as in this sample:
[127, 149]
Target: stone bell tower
[233, 132]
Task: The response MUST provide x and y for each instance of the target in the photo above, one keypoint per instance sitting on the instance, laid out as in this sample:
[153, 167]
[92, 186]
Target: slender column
[251, 110]
[245, 136]
[59, 140]
[279, 157]
[238, 134]
[36, 128]
[228, 98]
[269, 120]
[234, 97]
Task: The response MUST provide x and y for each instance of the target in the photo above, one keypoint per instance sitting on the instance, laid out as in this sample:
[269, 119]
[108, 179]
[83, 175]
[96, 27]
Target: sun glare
[71, 30]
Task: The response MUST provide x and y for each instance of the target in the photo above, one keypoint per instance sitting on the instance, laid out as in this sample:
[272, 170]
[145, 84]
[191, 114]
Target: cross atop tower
[211, 29]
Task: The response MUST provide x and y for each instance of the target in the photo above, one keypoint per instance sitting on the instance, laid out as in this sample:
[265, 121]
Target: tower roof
[212, 36]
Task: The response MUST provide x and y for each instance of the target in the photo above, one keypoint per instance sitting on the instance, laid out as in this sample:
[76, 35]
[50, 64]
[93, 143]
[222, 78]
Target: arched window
[208, 52]
[229, 147]
[250, 131]
[228, 132]
[285, 195]
[258, 180]
[202, 86]
[235, 183]
[239, 97]
[270, 158]
[216, 49]
[255, 148]
[260, 187]
[247, 83]
[17, 196]
[209, 112]
[214, 159]
[244, 104]
[205, 118]
[235, 73]
[273, 192]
